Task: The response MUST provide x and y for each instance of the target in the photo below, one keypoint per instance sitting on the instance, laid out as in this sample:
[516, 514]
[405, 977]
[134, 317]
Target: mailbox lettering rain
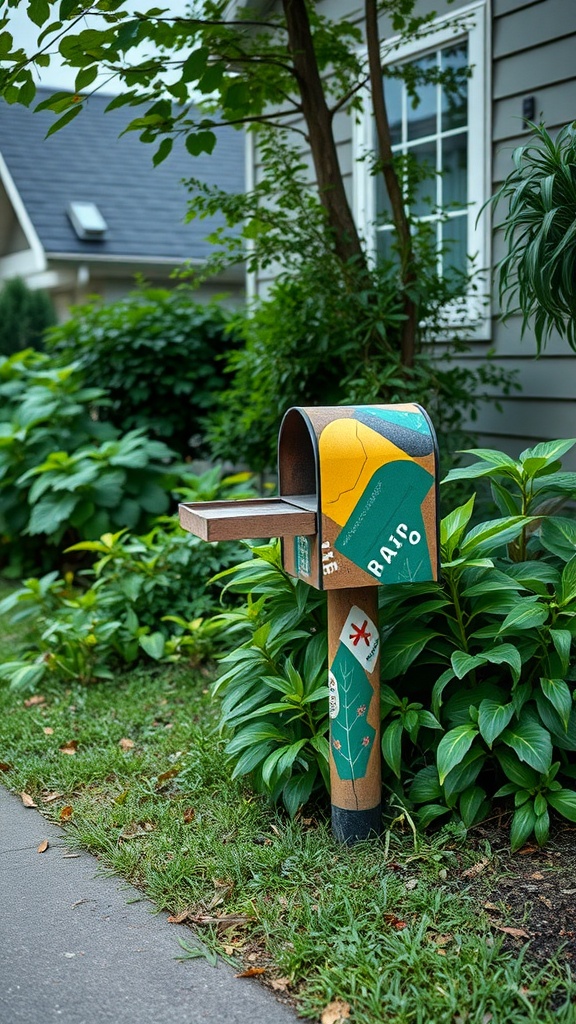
[357, 509]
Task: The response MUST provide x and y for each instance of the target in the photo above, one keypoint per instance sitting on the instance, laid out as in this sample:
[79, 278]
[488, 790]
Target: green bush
[478, 669]
[25, 315]
[316, 341]
[158, 355]
[64, 475]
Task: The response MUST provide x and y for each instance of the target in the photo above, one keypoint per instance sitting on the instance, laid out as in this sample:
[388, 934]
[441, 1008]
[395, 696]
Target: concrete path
[74, 949]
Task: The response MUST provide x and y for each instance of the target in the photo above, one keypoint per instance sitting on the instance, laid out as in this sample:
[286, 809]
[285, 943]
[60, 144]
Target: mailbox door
[376, 482]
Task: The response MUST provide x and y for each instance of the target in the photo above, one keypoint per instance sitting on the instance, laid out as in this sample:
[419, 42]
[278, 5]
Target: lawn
[441, 929]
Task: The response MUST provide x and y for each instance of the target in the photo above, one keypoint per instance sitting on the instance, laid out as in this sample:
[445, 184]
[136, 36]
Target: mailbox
[369, 473]
[357, 509]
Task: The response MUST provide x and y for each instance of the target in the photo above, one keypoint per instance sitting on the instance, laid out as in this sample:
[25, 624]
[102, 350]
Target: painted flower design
[337, 744]
[366, 741]
[361, 710]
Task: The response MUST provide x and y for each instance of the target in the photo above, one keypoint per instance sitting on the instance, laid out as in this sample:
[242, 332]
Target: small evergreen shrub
[25, 314]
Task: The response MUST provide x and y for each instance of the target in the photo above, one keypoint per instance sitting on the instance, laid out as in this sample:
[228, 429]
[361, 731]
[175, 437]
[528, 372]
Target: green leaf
[453, 525]
[558, 535]
[426, 785]
[452, 748]
[164, 150]
[558, 693]
[520, 774]
[531, 742]
[438, 690]
[473, 805]
[522, 826]
[562, 640]
[493, 719]
[154, 645]
[463, 663]
[506, 654]
[200, 142]
[400, 650]
[64, 120]
[542, 827]
[487, 537]
[529, 614]
[546, 452]
[464, 774]
[563, 801]
[568, 584]
[298, 790]
[38, 11]
[392, 746]
[51, 512]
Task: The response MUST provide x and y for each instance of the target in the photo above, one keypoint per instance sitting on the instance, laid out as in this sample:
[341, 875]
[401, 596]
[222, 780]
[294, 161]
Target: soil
[531, 895]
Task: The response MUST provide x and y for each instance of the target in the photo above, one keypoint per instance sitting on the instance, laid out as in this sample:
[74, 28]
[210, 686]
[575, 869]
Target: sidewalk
[74, 949]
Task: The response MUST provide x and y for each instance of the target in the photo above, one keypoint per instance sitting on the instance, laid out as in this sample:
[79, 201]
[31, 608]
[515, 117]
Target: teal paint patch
[385, 534]
[404, 418]
[302, 556]
[351, 736]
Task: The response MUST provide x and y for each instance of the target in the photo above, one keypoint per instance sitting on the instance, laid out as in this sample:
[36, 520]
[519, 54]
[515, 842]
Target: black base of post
[351, 826]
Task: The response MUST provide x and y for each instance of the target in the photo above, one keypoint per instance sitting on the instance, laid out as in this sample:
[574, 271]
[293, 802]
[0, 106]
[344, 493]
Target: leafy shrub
[478, 669]
[276, 703]
[148, 596]
[158, 355]
[25, 314]
[64, 475]
[314, 341]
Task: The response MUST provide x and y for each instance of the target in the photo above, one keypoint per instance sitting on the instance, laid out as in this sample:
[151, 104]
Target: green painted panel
[351, 736]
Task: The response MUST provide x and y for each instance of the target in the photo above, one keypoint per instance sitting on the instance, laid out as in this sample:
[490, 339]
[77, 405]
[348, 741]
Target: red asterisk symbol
[360, 634]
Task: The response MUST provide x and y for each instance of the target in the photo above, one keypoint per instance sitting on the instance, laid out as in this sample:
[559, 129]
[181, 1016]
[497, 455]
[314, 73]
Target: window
[445, 134]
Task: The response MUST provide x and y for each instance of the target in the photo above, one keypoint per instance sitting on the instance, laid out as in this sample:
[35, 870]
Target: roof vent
[87, 221]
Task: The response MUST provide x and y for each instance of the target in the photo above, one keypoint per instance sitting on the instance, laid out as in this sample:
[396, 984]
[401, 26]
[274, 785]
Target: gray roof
[144, 206]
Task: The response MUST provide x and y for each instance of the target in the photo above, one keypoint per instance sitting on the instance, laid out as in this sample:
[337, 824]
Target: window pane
[455, 170]
[455, 95]
[384, 244]
[425, 191]
[393, 88]
[455, 243]
[422, 118]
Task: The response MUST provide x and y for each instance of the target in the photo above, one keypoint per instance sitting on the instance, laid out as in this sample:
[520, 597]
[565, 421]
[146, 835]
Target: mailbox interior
[299, 483]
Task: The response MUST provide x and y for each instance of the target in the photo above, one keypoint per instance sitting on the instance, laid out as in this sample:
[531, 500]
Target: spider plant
[537, 276]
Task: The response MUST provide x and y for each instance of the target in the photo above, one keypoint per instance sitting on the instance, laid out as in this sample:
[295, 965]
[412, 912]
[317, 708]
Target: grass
[389, 929]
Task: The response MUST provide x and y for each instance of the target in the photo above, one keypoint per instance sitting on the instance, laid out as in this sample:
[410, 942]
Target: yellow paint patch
[350, 454]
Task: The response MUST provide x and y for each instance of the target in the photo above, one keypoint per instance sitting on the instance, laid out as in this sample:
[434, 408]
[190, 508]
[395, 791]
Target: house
[521, 53]
[85, 211]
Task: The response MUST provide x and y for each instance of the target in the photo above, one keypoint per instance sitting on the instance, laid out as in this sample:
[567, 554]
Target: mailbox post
[357, 510]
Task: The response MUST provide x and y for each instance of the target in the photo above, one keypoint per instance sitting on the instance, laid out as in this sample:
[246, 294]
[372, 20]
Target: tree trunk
[318, 119]
[393, 186]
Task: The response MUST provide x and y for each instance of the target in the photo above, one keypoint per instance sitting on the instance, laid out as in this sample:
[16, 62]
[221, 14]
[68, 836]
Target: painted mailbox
[357, 510]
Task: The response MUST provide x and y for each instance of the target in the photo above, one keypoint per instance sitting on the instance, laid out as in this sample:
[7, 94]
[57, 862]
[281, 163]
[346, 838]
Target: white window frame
[468, 23]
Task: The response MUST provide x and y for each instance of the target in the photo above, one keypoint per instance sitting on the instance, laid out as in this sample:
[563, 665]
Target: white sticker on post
[360, 636]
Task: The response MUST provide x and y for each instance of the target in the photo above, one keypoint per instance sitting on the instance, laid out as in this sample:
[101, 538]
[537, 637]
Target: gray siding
[533, 46]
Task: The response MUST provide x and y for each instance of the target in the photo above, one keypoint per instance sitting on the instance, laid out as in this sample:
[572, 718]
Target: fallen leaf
[69, 748]
[50, 797]
[491, 906]
[27, 800]
[526, 850]
[476, 869]
[536, 874]
[518, 933]
[280, 984]
[5, 767]
[48, 731]
[443, 940]
[252, 972]
[43, 846]
[70, 856]
[225, 921]
[336, 1011]
[66, 812]
[126, 744]
[411, 883]
[165, 776]
[179, 918]
[395, 922]
[189, 815]
[36, 699]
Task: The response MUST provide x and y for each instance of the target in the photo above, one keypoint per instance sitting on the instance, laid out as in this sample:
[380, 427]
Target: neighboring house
[522, 58]
[84, 211]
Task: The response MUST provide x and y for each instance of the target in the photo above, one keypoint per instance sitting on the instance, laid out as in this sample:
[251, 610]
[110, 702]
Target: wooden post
[354, 685]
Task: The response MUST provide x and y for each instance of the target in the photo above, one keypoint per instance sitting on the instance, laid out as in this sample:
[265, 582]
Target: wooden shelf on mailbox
[242, 520]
